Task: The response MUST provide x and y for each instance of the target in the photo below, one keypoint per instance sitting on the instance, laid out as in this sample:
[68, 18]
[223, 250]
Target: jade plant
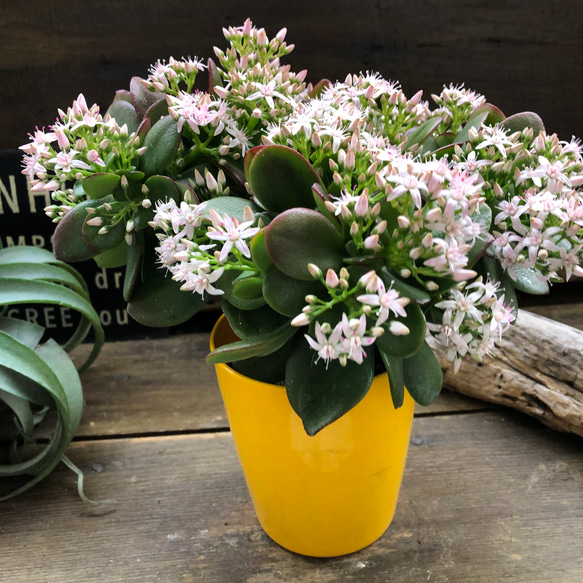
[38, 379]
[340, 224]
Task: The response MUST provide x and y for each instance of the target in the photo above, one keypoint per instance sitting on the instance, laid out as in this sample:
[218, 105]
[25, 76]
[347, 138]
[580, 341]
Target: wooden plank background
[521, 55]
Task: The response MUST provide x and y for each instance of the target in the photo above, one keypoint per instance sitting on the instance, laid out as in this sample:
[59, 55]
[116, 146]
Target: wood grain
[486, 498]
[536, 369]
[521, 56]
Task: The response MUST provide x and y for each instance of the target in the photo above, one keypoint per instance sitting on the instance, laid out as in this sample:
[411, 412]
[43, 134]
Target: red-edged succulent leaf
[281, 178]
[300, 236]
[495, 115]
[122, 95]
[525, 119]
[143, 98]
[259, 252]
[404, 346]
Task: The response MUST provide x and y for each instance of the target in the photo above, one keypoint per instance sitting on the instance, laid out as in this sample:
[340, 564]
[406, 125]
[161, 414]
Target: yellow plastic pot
[322, 496]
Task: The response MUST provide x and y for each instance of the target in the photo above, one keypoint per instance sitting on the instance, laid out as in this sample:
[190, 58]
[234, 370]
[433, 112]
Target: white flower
[387, 300]
[232, 232]
[354, 337]
[328, 347]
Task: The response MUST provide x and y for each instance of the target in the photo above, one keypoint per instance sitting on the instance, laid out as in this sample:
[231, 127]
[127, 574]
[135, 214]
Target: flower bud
[314, 270]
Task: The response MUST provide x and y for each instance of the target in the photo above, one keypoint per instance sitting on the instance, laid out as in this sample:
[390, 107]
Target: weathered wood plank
[486, 498]
[495, 49]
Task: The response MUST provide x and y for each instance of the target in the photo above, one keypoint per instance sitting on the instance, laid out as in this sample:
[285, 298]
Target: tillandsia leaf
[233, 206]
[420, 133]
[124, 113]
[258, 345]
[406, 345]
[42, 272]
[415, 294]
[319, 392]
[523, 120]
[101, 184]
[300, 236]
[69, 244]
[49, 369]
[281, 178]
[142, 97]
[423, 376]
[287, 295]
[161, 145]
[252, 324]
[394, 368]
[22, 291]
[259, 252]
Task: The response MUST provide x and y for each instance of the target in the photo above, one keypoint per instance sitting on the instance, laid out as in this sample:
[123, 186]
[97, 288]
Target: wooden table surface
[488, 495]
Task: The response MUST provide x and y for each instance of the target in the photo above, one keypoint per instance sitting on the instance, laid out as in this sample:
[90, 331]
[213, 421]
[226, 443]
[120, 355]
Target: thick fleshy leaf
[320, 197]
[319, 393]
[394, 368]
[257, 345]
[69, 244]
[103, 241]
[267, 369]
[287, 295]
[161, 144]
[115, 257]
[423, 376]
[522, 120]
[215, 79]
[142, 97]
[233, 206]
[158, 302]
[281, 178]
[101, 184]
[162, 188]
[490, 268]
[124, 113]
[251, 324]
[134, 256]
[530, 281]
[249, 288]
[157, 110]
[420, 133]
[300, 236]
[495, 115]
[404, 345]
[474, 123]
[226, 283]
[259, 252]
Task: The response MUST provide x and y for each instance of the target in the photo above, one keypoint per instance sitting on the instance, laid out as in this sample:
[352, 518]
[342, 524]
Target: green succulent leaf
[321, 393]
[495, 115]
[124, 113]
[114, 257]
[420, 133]
[394, 368]
[475, 122]
[267, 369]
[300, 236]
[523, 120]
[161, 144]
[249, 288]
[423, 376]
[233, 206]
[142, 97]
[259, 252]
[483, 217]
[287, 295]
[406, 290]
[530, 281]
[226, 283]
[256, 345]
[101, 184]
[281, 178]
[404, 346]
[103, 242]
[253, 324]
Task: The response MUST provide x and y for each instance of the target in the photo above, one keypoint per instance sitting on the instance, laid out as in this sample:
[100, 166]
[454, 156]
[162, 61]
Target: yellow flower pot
[322, 496]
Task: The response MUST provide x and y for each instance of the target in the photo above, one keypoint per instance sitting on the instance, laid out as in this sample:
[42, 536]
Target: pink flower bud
[332, 280]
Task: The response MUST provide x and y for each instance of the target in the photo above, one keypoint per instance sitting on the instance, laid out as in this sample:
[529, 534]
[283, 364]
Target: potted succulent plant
[339, 224]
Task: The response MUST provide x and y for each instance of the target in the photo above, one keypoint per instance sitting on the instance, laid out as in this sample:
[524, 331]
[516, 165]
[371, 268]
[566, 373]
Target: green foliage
[36, 375]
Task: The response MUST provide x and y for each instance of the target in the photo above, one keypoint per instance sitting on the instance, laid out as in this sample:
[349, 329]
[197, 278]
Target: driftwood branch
[537, 369]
